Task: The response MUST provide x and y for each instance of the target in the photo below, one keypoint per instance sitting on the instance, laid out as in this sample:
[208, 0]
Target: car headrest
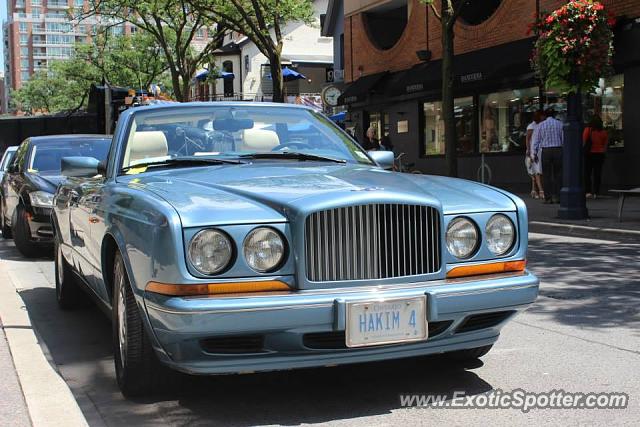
[260, 140]
[148, 144]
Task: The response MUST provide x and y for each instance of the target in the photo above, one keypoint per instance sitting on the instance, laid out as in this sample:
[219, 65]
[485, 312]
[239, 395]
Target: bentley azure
[239, 237]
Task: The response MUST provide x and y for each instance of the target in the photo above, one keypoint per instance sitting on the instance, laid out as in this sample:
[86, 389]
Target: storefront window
[557, 101]
[380, 124]
[607, 103]
[504, 117]
[434, 126]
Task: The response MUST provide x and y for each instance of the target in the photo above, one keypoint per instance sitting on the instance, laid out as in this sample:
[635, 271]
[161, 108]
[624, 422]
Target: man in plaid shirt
[546, 144]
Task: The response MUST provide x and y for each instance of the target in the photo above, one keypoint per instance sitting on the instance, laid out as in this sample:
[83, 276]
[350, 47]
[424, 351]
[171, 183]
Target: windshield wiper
[183, 161]
[294, 155]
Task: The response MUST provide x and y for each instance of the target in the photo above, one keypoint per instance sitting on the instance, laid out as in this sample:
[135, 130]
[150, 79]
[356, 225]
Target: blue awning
[288, 75]
[339, 117]
[203, 74]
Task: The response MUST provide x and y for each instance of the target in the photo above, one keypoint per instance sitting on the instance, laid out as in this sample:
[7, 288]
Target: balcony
[57, 5]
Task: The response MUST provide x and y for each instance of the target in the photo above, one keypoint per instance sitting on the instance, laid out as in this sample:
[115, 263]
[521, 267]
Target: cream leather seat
[146, 145]
[260, 140]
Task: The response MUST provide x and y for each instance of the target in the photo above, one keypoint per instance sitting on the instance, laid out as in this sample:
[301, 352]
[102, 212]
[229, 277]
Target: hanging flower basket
[574, 46]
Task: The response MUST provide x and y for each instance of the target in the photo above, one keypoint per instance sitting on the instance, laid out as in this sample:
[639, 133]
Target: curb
[583, 230]
[49, 399]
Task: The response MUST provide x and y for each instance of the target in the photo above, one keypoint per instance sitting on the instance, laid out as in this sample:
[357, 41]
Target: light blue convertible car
[238, 237]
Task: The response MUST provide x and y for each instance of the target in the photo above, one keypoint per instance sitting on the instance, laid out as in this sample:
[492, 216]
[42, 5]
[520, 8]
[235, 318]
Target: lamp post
[572, 198]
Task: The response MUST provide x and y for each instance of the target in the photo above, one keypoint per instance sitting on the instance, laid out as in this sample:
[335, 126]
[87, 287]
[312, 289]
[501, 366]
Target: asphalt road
[582, 335]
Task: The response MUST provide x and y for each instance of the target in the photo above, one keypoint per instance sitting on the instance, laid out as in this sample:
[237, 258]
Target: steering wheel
[293, 144]
[189, 145]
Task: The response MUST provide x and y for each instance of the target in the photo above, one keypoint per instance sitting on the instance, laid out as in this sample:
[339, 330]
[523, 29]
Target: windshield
[233, 132]
[46, 155]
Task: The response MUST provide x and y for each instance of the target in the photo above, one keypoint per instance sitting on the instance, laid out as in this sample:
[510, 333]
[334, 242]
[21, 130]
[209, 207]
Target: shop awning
[492, 66]
[360, 89]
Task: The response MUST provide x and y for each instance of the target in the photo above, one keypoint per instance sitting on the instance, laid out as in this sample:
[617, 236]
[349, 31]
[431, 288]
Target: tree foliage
[262, 22]
[127, 61]
[173, 24]
[64, 87]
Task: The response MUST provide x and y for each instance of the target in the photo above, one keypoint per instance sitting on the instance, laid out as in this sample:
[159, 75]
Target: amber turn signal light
[216, 288]
[491, 268]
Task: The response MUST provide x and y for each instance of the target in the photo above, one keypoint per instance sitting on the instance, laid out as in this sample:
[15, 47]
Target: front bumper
[40, 226]
[285, 323]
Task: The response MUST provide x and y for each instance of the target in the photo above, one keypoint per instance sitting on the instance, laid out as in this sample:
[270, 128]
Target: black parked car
[31, 180]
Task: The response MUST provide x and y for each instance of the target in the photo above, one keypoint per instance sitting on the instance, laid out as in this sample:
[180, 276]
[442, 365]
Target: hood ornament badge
[367, 189]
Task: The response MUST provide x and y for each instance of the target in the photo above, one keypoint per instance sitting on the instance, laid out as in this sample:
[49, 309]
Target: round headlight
[462, 237]
[264, 249]
[210, 251]
[500, 234]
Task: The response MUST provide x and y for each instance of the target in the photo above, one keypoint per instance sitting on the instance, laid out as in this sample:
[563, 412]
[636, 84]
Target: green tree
[262, 22]
[448, 14]
[64, 87]
[129, 61]
[126, 60]
[173, 24]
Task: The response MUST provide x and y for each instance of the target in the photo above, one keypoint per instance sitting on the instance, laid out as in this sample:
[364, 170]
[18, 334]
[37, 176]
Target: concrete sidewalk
[13, 408]
[602, 221]
[43, 393]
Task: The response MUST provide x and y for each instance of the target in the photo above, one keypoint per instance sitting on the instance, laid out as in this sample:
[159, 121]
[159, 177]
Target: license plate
[386, 322]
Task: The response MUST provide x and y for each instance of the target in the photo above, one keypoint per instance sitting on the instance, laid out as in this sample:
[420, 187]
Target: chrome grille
[375, 241]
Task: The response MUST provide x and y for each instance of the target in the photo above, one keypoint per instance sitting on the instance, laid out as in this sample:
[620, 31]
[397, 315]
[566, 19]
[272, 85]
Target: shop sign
[471, 77]
[414, 88]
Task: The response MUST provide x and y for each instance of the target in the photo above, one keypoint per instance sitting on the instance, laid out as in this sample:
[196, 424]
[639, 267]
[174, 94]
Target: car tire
[68, 289]
[138, 370]
[470, 353]
[6, 230]
[22, 234]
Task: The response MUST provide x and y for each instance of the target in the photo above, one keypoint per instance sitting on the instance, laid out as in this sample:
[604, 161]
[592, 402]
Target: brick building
[392, 59]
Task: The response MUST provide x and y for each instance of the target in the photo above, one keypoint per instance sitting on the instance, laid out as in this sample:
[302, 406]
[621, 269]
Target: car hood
[273, 192]
[47, 183]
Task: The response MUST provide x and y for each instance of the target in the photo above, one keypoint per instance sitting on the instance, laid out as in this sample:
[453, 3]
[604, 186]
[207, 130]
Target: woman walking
[595, 141]
[534, 168]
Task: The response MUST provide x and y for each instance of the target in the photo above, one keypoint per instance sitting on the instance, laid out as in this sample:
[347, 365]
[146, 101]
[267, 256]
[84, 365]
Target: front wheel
[138, 370]
[22, 234]
[6, 230]
[68, 292]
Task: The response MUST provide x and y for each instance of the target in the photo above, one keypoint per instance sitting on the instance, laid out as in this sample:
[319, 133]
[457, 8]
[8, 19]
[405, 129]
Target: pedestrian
[370, 141]
[534, 167]
[595, 140]
[546, 144]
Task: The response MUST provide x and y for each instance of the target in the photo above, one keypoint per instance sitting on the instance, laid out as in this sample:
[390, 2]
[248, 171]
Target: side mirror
[12, 168]
[384, 159]
[80, 167]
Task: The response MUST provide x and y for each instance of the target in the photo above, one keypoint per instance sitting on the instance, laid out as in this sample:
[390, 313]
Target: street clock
[330, 95]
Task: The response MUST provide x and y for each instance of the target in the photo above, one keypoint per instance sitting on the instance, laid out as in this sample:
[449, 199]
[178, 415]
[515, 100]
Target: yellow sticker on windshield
[135, 171]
